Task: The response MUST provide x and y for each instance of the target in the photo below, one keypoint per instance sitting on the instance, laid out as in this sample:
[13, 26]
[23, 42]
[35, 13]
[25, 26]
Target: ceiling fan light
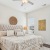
[24, 1]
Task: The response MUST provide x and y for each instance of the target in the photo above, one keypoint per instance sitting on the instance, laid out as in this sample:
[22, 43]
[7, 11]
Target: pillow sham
[20, 34]
[30, 31]
[10, 32]
[3, 33]
[17, 30]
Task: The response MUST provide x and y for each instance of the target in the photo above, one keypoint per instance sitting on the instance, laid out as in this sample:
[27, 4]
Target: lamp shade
[24, 1]
[25, 28]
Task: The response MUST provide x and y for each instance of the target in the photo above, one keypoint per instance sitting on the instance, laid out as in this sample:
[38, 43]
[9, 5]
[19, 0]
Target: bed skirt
[3, 48]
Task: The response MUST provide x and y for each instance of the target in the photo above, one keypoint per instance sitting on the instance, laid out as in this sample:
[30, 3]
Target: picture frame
[42, 25]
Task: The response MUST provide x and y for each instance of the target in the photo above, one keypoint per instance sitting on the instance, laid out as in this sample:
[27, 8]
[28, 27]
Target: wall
[43, 13]
[7, 12]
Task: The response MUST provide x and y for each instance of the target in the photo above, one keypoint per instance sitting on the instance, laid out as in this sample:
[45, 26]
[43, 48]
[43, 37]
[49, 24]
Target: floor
[45, 48]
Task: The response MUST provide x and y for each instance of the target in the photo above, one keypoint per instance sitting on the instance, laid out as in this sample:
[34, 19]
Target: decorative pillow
[10, 32]
[3, 33]
[30, 31]
[17, 30]
[20, 34]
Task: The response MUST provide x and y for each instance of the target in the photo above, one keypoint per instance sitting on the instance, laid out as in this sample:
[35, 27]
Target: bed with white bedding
[28, 42]
[10, 42]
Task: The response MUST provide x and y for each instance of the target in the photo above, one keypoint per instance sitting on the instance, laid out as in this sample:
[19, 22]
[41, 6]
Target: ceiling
[26, 7]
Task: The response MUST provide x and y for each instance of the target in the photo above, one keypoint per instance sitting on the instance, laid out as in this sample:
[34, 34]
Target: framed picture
[42, 25]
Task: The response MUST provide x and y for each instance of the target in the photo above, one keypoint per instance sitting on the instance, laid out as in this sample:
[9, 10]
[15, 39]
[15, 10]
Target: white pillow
[30, 31]
[20, 34]
[17, 30]
[3, 33]
[10, 32]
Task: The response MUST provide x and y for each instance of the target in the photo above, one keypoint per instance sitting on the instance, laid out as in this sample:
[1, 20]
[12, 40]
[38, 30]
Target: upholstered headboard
[9, 27]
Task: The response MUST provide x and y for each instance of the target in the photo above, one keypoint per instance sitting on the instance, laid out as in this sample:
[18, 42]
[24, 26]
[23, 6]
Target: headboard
[9, 27]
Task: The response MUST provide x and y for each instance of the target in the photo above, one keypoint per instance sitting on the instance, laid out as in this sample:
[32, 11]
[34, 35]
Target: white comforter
[29, 42]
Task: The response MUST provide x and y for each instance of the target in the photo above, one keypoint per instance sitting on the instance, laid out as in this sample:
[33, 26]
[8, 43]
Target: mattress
[28, 42]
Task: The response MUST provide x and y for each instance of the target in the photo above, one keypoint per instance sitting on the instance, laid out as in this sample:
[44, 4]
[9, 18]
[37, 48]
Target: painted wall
[43, 13]
[7, 12]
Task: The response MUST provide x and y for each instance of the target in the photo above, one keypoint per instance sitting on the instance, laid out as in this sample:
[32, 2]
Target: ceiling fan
[25, 1]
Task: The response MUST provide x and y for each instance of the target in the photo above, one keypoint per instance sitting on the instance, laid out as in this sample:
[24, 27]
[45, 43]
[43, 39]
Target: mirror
[13, 20]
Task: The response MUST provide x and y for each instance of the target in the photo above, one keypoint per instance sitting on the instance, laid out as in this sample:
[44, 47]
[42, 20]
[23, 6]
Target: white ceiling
[26, 7]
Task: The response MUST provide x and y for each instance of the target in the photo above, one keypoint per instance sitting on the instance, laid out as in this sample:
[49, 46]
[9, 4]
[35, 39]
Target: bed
[26, 42]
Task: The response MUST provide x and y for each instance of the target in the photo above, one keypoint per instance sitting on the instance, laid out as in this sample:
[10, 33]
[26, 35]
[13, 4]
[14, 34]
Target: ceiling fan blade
[30, 2]
[16, 0]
